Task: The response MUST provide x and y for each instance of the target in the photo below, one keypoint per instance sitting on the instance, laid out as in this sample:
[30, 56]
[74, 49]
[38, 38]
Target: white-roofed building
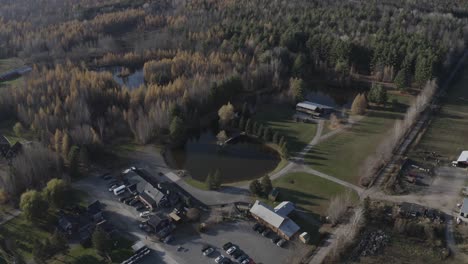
[462, 160]
[276, 219]
[313, 109]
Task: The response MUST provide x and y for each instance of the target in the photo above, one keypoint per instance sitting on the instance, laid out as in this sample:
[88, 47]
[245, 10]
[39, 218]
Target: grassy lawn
[279, 118]
[10, 64]
[24, 233]
[342, 155]
[197, 184]
[307, 191]
[447, 135]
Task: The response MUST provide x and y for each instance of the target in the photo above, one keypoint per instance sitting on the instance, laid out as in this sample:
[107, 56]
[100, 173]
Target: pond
[132, 81]
[243, 159]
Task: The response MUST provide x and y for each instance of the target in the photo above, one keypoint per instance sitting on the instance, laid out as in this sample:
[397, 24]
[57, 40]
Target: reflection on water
[132, 81]
[243, 160]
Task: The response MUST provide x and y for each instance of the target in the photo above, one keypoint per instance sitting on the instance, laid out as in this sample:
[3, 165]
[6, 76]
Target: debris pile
[371, 244]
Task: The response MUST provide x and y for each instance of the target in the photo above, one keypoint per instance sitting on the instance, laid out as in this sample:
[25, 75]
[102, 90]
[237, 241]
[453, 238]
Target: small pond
[242, 159]
[132, 81]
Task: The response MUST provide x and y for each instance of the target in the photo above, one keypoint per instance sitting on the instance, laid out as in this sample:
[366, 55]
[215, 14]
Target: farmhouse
[464, 208]
[152, 194]
[313, 109]
[276, 219]
[462, 160]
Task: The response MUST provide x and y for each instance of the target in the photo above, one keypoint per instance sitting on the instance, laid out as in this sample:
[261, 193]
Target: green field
[7, 65]
[342, 155]
[447, 135]
[307, 191]
[279, 118]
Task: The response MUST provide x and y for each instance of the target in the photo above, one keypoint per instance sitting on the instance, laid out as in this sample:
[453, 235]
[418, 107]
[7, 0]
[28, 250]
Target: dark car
[237, 253]
[226, 261]
[227, 245]
[133, 202]
[275, 239]
[205, 247]
[256, 226]
[140, 207]
[242, 258]
[160, 174]
[111, 183]
[261, 229]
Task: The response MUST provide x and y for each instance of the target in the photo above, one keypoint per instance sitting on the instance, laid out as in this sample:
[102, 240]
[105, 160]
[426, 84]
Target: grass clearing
[279, 118]
[447, 133]
[197, 184]
[307, 191]
[342, 155]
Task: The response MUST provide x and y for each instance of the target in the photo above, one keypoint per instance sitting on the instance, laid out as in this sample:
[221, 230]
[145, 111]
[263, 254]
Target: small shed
[464, 208]
[273, 194]
[462, 160]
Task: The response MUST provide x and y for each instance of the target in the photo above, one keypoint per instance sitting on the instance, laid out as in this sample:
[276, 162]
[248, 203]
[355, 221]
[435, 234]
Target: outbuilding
[464, 208]
[462, 160]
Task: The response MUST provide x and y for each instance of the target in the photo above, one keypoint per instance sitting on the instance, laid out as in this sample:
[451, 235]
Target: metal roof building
[463, 158]
[464, 208]
[278, 222]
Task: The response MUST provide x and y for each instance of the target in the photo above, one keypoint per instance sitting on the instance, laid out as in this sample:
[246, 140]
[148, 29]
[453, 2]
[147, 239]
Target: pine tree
[242, 123]
[209, 181]
[255, 187]
[216, 180]
[275, 137]
[266, 185]
[65, 145]
[260, 131]
[267, 134]
[248, 126]
[400, 80]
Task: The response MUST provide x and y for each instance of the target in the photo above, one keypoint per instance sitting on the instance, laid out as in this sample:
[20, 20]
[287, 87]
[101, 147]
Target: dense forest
[197, 55]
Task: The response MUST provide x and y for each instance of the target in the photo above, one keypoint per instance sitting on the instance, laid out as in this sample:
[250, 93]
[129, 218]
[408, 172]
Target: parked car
[231, 250]
[145, 214]
[139, 206]
[261, 229]
[133, 202]
[242, 258]
[106, 176]
[219, 259]
[266, 232]
[160, 174]
[247, 261]
[111, 189]
[227, 245]
[226, 261]
[168, 239]
[112, 183]
[256, 226]
[208, 251]
[237, 254]
[281, 243]
[275, 239]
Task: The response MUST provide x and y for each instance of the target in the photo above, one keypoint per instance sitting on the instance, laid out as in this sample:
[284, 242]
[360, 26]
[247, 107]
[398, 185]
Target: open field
[342, 155]
[10, 64]
[307, 191]
[279, 118]
[447, 135]
[404, 250]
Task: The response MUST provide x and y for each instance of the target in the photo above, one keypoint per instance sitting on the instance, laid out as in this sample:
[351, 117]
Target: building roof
[464, 208]
[267, 214]
[312, 106]
[289, 228]
[284, 208]
[94, 208]
[463, 156]
[154, 193]
[4, 140]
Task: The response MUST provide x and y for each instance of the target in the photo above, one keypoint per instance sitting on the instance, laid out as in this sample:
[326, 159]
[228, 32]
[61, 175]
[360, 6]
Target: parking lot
[188, 242]
[260, 249]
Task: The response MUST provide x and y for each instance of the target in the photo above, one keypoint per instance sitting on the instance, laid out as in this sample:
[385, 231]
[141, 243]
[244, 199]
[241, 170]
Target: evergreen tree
[248, 126]
[73, 158]
[297, 89]
[209, 181]
[177, 130]
[241, 123]
[400, 80]
[255, 188]
[267, 134]
[56, 192]
[216, 180]
[245, 110]
[33, 205]
[275, 137]
[260, 131]
[266, 185]
[65, 146]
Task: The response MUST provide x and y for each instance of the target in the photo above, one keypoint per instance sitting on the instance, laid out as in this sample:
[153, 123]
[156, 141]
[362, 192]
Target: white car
[219, 259]
[208, 251]
[231, 250]
[145, 214]
[113, 187]
[281, 243]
